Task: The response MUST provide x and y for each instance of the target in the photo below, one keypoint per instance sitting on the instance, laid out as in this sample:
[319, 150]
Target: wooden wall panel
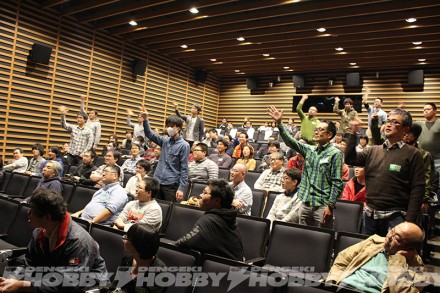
[83, 62]
[236, 102]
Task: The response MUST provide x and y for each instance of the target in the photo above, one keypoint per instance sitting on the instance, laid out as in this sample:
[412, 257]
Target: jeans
[381, 226]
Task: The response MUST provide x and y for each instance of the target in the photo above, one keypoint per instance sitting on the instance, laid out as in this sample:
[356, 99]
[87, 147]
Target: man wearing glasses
[394, 173]
[321, 178]
[202, 168]
[270, 179]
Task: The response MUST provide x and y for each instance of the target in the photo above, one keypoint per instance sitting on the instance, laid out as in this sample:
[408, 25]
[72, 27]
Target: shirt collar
[398, 144]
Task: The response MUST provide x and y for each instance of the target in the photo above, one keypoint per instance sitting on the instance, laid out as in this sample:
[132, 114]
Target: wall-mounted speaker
[353, 79]
[252, 83]
[201, 76]
[298, 81]
[139, 67]
[416, 77]
[40, 53]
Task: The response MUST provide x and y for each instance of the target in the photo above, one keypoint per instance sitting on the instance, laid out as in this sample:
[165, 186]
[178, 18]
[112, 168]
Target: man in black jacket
[216, 232]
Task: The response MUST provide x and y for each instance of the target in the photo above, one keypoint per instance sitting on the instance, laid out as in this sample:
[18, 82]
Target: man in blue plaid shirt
[321, 181]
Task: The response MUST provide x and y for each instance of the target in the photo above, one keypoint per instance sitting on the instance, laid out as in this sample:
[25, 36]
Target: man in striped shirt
[321, 184]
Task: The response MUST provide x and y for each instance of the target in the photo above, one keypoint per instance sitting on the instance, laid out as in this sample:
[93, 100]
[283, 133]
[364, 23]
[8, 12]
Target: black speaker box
[298, 81]
[139, 67]
[40, 53]
[201, 76]
[416, 77]
[252, 83]
[353, 79]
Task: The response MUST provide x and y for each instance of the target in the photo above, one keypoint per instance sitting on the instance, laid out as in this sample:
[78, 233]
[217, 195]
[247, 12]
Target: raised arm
[365, 97]
[82, 109]
[177, 111]
[64, 124]
[336, 107]
[300, 105]
[129, 123]
[352, 157]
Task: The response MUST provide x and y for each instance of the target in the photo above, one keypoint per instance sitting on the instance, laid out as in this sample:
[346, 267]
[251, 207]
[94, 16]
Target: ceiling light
[241, 39]
[290, 70]
[352, 63]
[183, 46]
[286, 67]
[242, 73]
[422, 60]
[237, 70]
[194, 10]
[266, 55]
[321, 29]
[339, 49]
[133, 23]
[213, 59]
[417, 43]
[411, 19]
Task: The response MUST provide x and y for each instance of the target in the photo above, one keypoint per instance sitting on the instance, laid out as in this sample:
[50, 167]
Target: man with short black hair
[92, 122]
[321, 178]
[111, 158]
[221, 158]
[308, 122]
[37, 160]
[376, 110]
[272, 147]
[19, 164]
[347, 114]
[195, 125]
[53, 155]
[202, 168]
[130, 163]
[211, 140]
[85, 170]
[216, 232]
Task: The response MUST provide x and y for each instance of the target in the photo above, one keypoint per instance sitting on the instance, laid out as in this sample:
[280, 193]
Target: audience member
[85, 170]
[128, 140]
[154, 161]
[297, 161]
[243, 141]
[107, 202]
[230, 149]
[221, 158]
[211, 140]
[19, 164]
[363, 143]
[375, 110]
[57, 243]
[223, 126]
[347, 114]
[92, 122]
[272, 147]
[53, 155]
[249, 129]
[292, 128]
[144, 209]
[142, 169]
[264, 127]
[270, 179]
[321, 179]
[172, 169]
[51, 177]
[36, 161]
[379, 264]
[111, 158]
[195, 124]
[394, 175]
[216, 232]
[242, 192]
[138, 128]
[130, 164]
[247, 158]
[336, 141]
[202, 168]
[81, 137]
[345, 169]
[354, 189]
[308, 122]
[285, 208]
[149, 153]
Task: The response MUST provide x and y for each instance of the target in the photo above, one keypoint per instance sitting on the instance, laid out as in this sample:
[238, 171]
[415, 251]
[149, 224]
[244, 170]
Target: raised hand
[337, 99]
[82, 98]
[143, 112]
[276, 114]
[129, 112]
[63, 110]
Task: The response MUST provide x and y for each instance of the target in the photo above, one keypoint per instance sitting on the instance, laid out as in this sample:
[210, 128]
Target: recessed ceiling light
[183, 46]
[237, 70]
[321, 29]
[352, 63]
[133, 23]
[213, 59]
[286, 67]
[290, 70]
[411, 19]
[417, 43]
[241, 39]
[194, 10]
[242, 73]
[422, 60]
[339, 49]
[266, 55]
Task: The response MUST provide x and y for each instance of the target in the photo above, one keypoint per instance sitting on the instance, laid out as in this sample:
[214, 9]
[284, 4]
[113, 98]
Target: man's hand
[82, 98]
[337, 99]
[327, 215]
[237, 203]
[63, 110]
[28, 173]
[303, 99]
[129, 113]
[144, 112]
[179, 195]
[275, 113]
[76, 215]
[355, 125]
[175, 105]
[366, 89]
[12, 285]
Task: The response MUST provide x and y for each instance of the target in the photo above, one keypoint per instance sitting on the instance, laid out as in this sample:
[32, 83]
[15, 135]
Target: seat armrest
[258, 261]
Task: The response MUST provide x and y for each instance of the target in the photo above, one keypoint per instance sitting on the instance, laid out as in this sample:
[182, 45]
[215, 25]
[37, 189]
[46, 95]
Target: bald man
[387, 264]
[242, 192]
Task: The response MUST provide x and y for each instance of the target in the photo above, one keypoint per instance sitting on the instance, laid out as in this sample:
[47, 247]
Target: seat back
[197, 188]
[295, 245]
[257, 164]
[127, 176]
[8, 211]
[111, 246]
[223, 173]
[258, 199]
[73, 169]
[346, 239]
[348, 216]
[254, 233]
[17, 184]
[212, 150]
[83, 223]
[166, 207]
[181, 221]
[251, 178]
[269, 203]
[99, 161]
[68, 189]
[19, 232]
[80, 198]
[6, 177]
[31, 186]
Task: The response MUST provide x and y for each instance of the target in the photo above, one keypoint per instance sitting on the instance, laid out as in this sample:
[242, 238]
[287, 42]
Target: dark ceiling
[373, 33]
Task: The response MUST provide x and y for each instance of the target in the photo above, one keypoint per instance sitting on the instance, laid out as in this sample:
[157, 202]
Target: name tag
[394, 168]
[323, 161]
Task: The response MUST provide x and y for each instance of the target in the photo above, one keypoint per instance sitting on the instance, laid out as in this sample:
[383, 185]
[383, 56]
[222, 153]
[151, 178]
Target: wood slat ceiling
[373, 33]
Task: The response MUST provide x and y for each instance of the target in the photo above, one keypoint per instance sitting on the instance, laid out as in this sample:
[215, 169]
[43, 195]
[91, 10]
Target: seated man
[144, 209]
[36, 161]
[286, 205]
[84, 171]
[242, 192]
[202, 168]
[216, 232]
[272, 147]
[53, 155]
[270, 179]
[108, 202]
[387, 264]
[211, 140]
[221, 158]
[19, 164]
[130, 164]
[111, 158]
[57, 243]
[354, 189]
[51, 177]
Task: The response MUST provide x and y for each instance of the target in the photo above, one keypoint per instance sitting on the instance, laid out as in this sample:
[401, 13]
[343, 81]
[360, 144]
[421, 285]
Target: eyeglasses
[274, 159]
[319, 129]
[124, 237]
[393, 122]
[197, 150]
